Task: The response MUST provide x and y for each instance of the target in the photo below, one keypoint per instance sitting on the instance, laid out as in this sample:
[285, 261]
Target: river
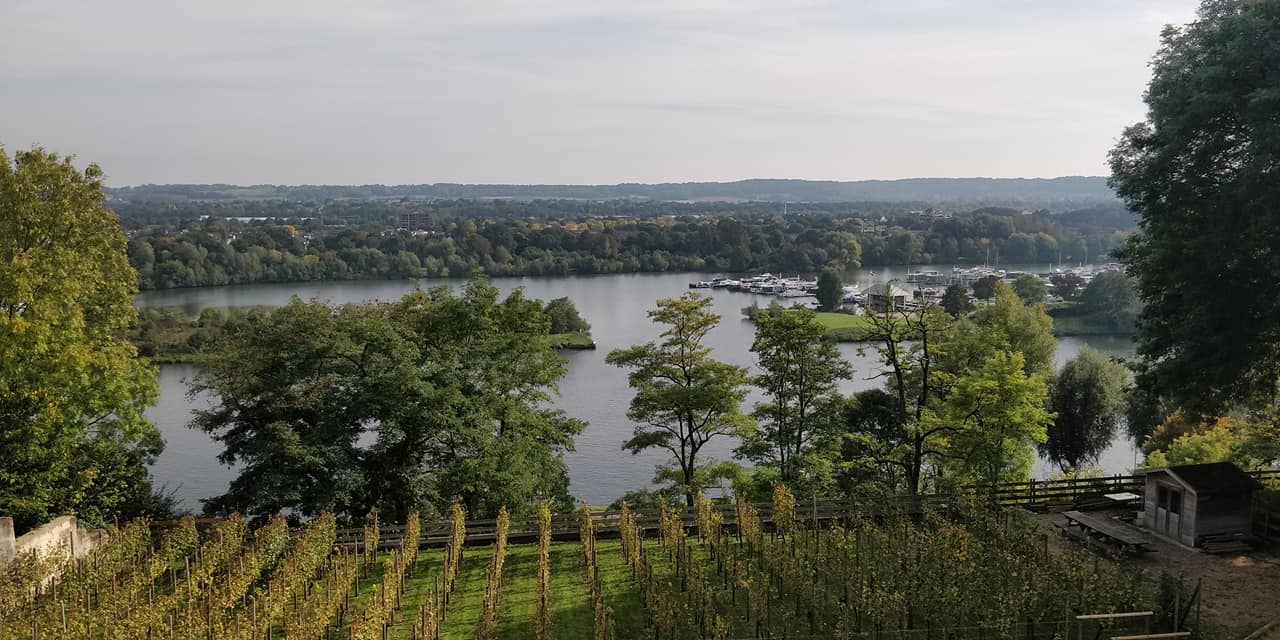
[593, 391]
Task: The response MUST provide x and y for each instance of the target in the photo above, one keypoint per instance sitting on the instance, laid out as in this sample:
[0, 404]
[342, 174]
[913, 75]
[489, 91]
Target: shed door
[1169, 510]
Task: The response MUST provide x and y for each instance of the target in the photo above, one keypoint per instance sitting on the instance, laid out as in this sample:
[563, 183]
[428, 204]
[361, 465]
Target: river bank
[172, 335]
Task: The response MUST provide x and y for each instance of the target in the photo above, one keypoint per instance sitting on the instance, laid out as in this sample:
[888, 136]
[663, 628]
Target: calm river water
[615, 305]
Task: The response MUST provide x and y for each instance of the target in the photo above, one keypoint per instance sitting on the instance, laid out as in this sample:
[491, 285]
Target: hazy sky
[575, 91]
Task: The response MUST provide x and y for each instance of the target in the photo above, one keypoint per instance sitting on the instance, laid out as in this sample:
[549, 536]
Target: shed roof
[888, 290]
[1214, 478]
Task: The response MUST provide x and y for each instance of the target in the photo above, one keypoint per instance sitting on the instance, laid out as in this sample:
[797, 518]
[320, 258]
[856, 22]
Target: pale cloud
[403, 91]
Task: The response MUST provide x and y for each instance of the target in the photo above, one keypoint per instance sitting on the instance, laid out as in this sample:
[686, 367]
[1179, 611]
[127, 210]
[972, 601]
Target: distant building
[413, 220]
[1196, 502]
[887, 297]
[932, 214]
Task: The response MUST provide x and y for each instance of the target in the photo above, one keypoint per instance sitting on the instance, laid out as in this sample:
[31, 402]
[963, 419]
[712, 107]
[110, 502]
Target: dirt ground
[1239, 592]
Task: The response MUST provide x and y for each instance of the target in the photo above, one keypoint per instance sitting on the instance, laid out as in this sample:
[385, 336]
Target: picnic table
[1123, 497]
[1106, 531]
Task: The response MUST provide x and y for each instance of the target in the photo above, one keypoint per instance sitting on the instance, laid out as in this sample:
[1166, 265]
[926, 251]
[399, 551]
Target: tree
[491, 375]
[985, 287]
[401, 407]
[1112, 298]
[1009, 325]
[1178, 424]
[955, 300]
[1066, 285]
[800, 367]
[1200, 174]
[1031, 289]
[74, 438]
[996, 413]
[830, 290]
[873, 425]
[1087, 398]
[1218, 444]
[907, 344]
[684, 398]
[564, 317]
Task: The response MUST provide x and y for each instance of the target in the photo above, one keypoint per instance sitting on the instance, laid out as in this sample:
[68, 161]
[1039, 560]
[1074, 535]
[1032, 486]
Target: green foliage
[1200, 174]
[902, 442]
[1007, 324]
[955, 300]
[362, 239]
[564, 317]
[168, 334]
[1067, 285]
[985, 288]
[402, 407]
[874, 429]
[830, 290]
[951, 403]
[72, 394]
[800, 368]
[1031, 289]
[995, 414]
[1112, 298]
[684, 397]
[1248, 440]
[1217, 444]
[1086, 397]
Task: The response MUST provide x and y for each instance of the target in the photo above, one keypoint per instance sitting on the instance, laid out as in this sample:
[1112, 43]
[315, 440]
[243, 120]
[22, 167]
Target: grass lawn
[571, 614]
[575, 340]
[571, 610]
[832, 320]
[844, 327]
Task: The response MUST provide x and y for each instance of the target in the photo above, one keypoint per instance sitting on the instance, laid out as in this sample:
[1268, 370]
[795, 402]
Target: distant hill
[1037, 192]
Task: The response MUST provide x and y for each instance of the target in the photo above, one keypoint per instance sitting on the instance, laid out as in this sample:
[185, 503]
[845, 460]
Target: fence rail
[1035, 495]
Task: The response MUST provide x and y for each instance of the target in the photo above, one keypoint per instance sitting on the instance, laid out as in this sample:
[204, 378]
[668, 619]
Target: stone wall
[62, 538]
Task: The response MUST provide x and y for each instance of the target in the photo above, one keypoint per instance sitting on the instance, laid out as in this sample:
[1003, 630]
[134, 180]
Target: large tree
[830, 290]
[799, 369]
[1112, 299]
[400, 407]
[909, 345]
[997, 413]
[1031, 289]
[1087, 398]
[684, 397]
[1007, 324]
[564, 317]
[73, 438]
[955, 300]
[1200, 172]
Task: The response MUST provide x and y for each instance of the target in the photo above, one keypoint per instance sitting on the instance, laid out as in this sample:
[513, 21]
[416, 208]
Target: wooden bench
[1113, 534]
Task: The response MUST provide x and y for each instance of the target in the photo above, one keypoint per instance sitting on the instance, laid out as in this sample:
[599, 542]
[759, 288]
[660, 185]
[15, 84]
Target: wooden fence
[606, 524]
[1034, 495]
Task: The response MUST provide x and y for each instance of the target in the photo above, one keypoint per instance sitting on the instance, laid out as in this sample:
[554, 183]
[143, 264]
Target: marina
[929, 284]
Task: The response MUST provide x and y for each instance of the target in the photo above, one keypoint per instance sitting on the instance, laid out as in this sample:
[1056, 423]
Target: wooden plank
[1154, 636]
[1107, 528]
[1122, 614]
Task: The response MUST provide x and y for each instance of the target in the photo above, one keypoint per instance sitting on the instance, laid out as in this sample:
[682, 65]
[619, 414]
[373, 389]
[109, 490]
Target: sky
[575, 91]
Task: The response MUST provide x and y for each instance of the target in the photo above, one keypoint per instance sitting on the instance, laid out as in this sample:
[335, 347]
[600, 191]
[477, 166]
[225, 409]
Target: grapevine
[542, 620]
[488, 627]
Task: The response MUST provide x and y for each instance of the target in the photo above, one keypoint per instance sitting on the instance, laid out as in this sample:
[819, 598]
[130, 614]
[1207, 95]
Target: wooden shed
[1192, 502]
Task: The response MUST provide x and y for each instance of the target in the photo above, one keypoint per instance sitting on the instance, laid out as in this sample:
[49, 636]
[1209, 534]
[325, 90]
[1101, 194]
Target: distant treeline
[1062, 192]
[218, 250]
